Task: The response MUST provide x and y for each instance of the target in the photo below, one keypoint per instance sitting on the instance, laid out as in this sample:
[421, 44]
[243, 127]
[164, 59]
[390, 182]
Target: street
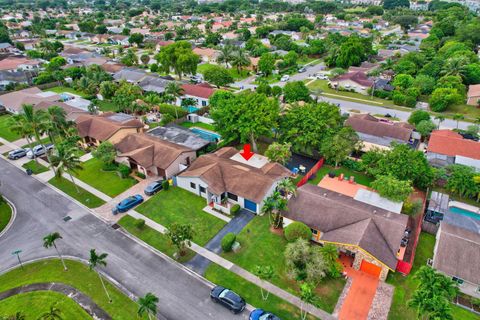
[40, 210]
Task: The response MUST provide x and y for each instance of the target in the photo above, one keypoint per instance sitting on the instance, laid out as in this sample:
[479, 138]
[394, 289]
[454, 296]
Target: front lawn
[259, 246]
[82, 195]
[39, 302]
[61, 89]
[5, 215]
[36, 168]
[154, 238]
[207, 126]
[108, 182]
[5, 131]
[78, 276]
[177, 205]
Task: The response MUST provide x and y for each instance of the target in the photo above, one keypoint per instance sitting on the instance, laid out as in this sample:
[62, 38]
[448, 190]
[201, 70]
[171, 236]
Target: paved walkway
[214, 213]
[84, 301]
[199, 263]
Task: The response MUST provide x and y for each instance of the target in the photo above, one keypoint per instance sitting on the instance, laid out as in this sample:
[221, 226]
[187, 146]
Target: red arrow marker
[246, 154]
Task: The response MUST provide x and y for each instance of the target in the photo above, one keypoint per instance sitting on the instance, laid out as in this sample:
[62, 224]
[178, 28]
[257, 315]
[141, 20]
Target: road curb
[12, 218]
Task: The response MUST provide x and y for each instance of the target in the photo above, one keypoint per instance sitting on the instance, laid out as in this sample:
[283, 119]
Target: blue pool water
[191, 109]
[464, 212]
[207, 135]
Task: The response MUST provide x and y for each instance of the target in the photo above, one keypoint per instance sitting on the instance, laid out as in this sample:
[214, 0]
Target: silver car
[39, 150]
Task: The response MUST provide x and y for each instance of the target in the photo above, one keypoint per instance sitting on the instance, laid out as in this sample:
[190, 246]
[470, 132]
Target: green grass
[360, 178]
[233, 71]
[177, 205]
[5, 215]
[108, 182]
[106, 105]
[273, 78]
[61, 89]
[35, 304]
[5, 131]
[154, 238]
[259, 246]
[251, 292]
[78, 276]
[36, 168]
[207, 126]
[82, 195]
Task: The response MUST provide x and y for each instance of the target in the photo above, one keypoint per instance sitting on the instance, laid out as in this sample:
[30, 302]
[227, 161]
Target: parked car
[260, 314]
[39, 150]
[17, 154]
[285, 78]
[228, 299]
[321, 76]
[302, 69]
[153, 188]
[128, 204]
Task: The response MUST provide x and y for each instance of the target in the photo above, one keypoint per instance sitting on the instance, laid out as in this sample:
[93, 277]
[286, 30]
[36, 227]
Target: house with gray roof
[130, 75]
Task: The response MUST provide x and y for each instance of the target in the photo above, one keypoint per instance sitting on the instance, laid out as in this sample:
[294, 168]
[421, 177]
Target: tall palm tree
[174, 90]
[148, 304]
[273, 205]
[65, 159]
[307, 296]
[225, 55]
[57, 122]
[288, 187]
[49, 241]
[99, 260]
[240, 60]
[440, 119]
[265, 273]
[53, 314]
[19, 125]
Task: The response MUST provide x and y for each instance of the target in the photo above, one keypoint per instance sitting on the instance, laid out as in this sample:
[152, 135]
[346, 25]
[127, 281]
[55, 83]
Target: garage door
[370, 268]
[250, 205]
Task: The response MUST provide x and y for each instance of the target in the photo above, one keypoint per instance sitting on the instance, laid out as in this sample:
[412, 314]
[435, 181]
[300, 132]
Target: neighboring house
[119, 40]
[153, 84]
[130, 75]
[207, 55]
[111, 67]
[153, 156]
[7, 47]
[383, 84]
[180, 136]
[112, 127]
[13, 101]
[16, 77]
[356, 81]
[457, 254]
[100, 38]
[19, 64]
[374, 132]
[224, 178]
[368, 234]
[199, 92]
[72, 112]
[473, 95]
[447, 147]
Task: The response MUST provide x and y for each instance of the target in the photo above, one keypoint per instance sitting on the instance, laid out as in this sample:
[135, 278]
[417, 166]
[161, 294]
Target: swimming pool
[191, 109]
[464, 212]
[207, 135]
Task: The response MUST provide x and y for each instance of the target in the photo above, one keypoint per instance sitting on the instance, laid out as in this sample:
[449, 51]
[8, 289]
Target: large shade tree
[179, 58]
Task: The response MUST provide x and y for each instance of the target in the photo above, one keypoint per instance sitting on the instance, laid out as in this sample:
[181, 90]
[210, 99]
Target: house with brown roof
[224, 178]
[19, 64]
[473, 95]
[14, 101]
[371, 236]
[152, 155]
[447, 147]
[356, 81]
[112, 127]
[199, 92]
[207, 55]
[379, 133]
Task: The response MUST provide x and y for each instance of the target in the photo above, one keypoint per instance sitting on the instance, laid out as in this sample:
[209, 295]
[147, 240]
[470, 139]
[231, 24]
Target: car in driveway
[127, 204]
[228, 299]
[285, 78]
[302, 69]
[260, 314]
[17, 154]
[153, 188]
[39, 150]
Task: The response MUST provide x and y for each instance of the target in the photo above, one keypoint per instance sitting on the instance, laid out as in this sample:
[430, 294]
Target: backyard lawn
[360, 177]
[207, 126]
[177, 205]
[61, 89]
[108, 182]
[154, 238]
[35, 167]
[106, 105]
[259, 246]
[233, 72]
[5, 131]
[82, 195]
[5, 215]
[39, 302]
[78, 276]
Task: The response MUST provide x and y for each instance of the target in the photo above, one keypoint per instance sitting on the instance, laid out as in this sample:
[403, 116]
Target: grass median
[5, 214]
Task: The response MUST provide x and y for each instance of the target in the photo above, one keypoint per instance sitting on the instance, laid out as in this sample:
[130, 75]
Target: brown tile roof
[197, 90]
[150, 151]
[112, 67]
[102, 127]
[358, 77]
[72, 112]
[15, 100]
[12, 63]
[370, 125]
[474, 90]
[458, 253]
[343, 219]
[223, 174]
[452, 144]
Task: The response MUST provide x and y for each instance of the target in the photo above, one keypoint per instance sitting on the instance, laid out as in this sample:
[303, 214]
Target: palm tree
[440, 119]
[273, 206]
[457, 117]
[99, 260]
[175, 91]
[240, 59]
[225, 55]
[148, 304]
[53, 314]
[66, 160]
[265, 273]
[19, 125]
[49, 241]
[57, 124]
[287, 187]
[307, 296]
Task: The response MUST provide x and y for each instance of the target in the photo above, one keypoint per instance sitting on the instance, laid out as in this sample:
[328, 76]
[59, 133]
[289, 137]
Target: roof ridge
[383, 237]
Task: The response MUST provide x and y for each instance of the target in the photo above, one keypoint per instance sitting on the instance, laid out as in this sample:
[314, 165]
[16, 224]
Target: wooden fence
[310, 173]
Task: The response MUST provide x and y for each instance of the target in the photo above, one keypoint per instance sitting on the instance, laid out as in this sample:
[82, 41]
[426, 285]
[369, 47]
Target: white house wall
[174, 168]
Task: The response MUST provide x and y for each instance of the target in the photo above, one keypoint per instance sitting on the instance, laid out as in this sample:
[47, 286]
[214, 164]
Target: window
[202, 189]
[457, 280]
[232, 196]
[204, 103]
[314, 231]
[193, 185]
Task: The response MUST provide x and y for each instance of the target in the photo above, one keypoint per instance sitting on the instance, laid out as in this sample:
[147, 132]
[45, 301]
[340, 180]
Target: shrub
[234, 209]
[297, 230]
[353, 165]
[140, 175]
[165, 185]
[228, 241]
[110, 166]
[123, 170]
[139, 223]
[171, 110]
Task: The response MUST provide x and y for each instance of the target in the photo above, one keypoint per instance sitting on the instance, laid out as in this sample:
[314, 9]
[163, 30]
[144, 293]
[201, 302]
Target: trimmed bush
[165, 185]
[297, 230]
[234, 209]
[124, 170]
[228, 241]
[140, 175]
[139, 223]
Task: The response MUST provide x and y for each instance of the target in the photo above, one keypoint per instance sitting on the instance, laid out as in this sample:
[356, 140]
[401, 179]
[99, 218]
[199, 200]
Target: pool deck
[464, 206]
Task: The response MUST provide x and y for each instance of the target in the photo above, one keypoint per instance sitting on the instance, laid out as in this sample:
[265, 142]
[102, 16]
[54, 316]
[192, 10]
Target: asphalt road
[40, 210]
